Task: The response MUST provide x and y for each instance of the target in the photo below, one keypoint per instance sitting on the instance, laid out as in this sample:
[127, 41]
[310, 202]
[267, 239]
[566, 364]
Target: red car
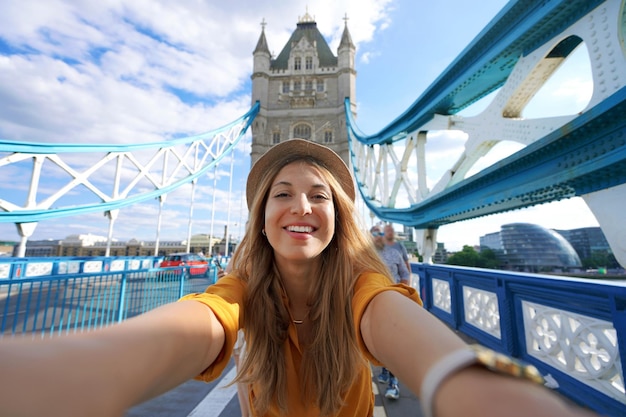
[194, 265]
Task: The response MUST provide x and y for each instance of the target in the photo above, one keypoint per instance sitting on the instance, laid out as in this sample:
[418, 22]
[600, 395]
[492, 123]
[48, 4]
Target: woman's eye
[279, 195]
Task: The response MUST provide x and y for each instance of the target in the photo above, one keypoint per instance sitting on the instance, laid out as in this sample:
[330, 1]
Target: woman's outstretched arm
[104, 372]
[409, 340]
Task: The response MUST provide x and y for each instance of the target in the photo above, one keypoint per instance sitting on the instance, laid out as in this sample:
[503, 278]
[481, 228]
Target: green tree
[599, 259]
[488, 259]
[468, 256]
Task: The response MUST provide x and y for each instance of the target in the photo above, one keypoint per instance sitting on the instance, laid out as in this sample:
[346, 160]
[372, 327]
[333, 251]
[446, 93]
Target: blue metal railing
[572, 329]
[42, 297]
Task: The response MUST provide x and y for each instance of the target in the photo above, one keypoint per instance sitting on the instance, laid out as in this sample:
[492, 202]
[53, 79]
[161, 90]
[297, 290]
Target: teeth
[300, 229]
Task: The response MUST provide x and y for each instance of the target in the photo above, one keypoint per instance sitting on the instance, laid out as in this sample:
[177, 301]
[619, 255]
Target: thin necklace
[298, 321]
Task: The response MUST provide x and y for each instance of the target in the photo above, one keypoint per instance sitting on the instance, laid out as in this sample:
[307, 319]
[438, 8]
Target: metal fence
[572, 329]
[52, 296]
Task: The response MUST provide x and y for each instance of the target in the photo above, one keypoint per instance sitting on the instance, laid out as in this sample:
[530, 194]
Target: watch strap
[463, 358]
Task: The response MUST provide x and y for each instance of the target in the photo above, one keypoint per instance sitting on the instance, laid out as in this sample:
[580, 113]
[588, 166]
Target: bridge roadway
[200, 399]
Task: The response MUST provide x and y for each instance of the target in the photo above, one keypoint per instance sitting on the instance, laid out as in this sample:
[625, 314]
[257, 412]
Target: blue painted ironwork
[204, 150]
[585, 155]
[44, 297]
[583, 320]
[485, 64]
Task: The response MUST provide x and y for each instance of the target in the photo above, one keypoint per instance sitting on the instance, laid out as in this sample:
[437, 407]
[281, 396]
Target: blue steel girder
[486, 63]
[171, 164]
[585, 155]
[518, 51]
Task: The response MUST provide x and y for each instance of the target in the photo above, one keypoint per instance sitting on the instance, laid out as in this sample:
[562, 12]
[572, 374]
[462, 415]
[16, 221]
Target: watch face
[504, 364]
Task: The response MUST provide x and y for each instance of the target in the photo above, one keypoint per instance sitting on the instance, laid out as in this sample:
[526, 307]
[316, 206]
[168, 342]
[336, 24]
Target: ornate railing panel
[572, 329]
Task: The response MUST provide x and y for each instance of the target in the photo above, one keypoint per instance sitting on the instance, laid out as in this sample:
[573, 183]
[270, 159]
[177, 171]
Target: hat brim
[292, 149]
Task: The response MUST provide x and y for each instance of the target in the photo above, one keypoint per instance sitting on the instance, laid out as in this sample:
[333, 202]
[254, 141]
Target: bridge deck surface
[200, 399]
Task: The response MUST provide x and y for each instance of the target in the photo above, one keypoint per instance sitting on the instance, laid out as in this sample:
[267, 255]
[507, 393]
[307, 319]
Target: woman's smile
[299, 231]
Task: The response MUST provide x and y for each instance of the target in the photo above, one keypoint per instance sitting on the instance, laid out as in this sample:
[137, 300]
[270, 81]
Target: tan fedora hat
[291, 150]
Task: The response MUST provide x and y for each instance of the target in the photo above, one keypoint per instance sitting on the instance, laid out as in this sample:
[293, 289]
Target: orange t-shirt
[225, 298]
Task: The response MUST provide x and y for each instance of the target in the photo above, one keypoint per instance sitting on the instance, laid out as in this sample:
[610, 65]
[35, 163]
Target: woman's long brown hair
[331, 359]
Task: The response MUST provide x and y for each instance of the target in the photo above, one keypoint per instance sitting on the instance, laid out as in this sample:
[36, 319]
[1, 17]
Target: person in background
[401, 275]
[317, 305]
[390, 240]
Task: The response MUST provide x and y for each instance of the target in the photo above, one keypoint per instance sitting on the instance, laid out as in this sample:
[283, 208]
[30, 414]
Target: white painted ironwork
[482, 310]
[117, 265]
[93, 266]
[5, 270]
[442, 297]
[71, 267]
[109, 177]
[583, 347]
[38, 269]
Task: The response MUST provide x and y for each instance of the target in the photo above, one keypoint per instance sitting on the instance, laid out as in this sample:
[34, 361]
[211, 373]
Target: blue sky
[143, 71]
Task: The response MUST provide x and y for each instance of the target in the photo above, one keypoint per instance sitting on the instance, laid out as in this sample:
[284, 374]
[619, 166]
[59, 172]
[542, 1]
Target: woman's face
[299, 213]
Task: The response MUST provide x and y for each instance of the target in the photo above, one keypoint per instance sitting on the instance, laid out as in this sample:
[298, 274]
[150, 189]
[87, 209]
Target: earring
[263, 232]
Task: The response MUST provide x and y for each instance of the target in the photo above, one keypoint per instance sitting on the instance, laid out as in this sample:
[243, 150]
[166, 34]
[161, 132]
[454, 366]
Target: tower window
[297, 64]
[308, 63]
[275, 138]
[297, 85]
[302, 131]
[320, 86]
[308, 85]
[328, 136]
[285, 87]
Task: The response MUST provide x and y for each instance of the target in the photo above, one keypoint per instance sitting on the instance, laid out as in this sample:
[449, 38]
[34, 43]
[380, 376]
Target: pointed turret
[346, 39]
[261, 52]
[347, 74]
[260, 77]
[261, 45]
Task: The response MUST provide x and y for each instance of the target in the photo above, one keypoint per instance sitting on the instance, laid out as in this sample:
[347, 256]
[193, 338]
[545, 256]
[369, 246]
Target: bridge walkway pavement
[215, 399]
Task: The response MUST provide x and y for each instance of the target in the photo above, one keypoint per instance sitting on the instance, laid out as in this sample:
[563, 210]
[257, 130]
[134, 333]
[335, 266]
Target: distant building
[586, 241]
[441, 254]
[40, 248]
[93, 245]
[7, 247]
[525, 247]
[406, 238]
[492, 241]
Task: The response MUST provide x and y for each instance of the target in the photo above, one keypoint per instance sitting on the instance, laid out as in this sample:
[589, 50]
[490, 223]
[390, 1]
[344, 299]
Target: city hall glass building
[525, 247]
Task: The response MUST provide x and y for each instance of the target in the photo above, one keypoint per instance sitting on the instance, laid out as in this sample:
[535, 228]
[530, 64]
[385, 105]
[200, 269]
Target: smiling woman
[316, 304]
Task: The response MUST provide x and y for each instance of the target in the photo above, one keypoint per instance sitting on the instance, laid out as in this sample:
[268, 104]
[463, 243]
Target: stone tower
[302, 90]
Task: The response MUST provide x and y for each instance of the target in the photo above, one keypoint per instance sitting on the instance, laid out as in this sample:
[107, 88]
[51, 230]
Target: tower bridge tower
[302, 90]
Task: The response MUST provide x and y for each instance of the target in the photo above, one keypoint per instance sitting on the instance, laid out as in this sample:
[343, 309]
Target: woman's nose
[301, 205]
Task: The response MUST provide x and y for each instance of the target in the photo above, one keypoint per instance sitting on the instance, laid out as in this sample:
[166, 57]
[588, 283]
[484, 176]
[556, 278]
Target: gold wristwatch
[472, 355]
